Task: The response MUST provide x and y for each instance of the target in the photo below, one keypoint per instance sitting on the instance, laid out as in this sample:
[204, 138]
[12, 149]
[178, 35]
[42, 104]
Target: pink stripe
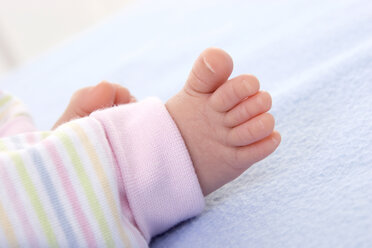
[71, 194]
[18, 205]
[30, 137]
[125, 208]
[20, 124]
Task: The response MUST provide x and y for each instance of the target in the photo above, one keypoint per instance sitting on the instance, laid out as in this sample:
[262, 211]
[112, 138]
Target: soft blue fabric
[315, 57]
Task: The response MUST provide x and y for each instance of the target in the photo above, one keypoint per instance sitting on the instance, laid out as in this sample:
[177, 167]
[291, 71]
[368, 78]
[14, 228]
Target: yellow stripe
[45, 134]
[87, 186]
[34, 198]
[32, 193]
[8, 228]
[5, 99]
[98, 167]
[8, 109]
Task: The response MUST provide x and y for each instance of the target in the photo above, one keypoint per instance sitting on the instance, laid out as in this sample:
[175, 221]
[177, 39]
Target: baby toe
[247, 155]
[249, 108]
[234, 91]
[251, 131]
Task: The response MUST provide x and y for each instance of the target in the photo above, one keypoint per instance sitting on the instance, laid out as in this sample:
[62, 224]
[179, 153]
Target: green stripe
[35, 200]
[25, 114]
[89, 191]
[5, 100]
[103, 179]
[45, 134]
[3, 147]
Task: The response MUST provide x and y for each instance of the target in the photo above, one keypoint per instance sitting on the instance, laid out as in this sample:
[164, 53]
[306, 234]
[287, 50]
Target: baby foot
[89, 99]
[224, 123]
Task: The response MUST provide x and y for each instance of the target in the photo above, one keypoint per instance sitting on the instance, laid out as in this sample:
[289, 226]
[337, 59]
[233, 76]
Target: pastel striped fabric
[14, 117]
[113, 179]
[58, 191]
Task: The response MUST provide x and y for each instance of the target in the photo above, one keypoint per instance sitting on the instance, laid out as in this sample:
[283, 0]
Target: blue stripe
[52, 193]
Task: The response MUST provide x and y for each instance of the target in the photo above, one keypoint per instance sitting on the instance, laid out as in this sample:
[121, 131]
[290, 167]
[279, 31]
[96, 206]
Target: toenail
[208, 65]
[247, 86]
[276, 141]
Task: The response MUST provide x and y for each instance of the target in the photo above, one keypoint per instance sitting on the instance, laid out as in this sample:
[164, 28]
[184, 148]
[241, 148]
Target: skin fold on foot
[89, 99]
[223, 121]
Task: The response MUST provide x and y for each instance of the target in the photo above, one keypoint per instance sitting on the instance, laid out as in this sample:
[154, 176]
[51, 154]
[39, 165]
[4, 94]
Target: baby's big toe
[211, 69]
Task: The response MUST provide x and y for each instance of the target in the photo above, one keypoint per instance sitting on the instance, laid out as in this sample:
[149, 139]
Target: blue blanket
[315, 57]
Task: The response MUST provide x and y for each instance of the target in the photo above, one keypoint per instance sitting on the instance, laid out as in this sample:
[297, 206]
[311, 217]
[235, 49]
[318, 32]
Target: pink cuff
[156, 170]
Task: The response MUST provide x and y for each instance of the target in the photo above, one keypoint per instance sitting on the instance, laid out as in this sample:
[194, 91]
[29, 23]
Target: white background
[28, 28]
